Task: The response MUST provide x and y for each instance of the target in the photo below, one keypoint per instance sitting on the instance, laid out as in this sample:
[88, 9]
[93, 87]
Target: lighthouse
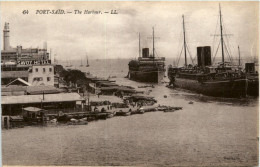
[6, 37]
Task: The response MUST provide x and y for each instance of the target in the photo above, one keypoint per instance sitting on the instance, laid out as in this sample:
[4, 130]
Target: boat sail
[68, 64]
[87, 61]
[81, 65]
[220, 81]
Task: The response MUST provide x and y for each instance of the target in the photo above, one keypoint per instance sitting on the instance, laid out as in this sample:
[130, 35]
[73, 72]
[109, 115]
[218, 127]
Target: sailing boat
[87, 62]
[81, 65]
[70, 64]
[67, 63]
[220, 81]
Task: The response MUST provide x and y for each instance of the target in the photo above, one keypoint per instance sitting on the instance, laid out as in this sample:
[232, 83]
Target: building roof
[42, 88]
[26, 99]
[19, 80]
[32, 90]
[14, 74]
[32, 109]
[112, 99]
[117, 88]
[12, 50]
[13, 88]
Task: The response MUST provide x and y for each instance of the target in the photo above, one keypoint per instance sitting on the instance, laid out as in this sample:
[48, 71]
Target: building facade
[41, 75]
[30, 64]
[19, 56]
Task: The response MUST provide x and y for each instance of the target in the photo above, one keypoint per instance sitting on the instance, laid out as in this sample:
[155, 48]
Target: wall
[40, 77]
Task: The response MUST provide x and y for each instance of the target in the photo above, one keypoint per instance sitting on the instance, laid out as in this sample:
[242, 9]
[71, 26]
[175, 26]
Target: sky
[72, 36]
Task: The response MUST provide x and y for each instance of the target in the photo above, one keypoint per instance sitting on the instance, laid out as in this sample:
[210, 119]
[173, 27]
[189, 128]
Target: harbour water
[211, 131]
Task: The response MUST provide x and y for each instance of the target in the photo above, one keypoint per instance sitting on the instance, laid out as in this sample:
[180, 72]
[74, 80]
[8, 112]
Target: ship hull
[253, 87]
[155, 77]
[226, 88]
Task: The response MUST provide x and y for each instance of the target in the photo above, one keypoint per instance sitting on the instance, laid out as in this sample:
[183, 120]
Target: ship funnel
[250, 67]
[145, 52]
[204, 56]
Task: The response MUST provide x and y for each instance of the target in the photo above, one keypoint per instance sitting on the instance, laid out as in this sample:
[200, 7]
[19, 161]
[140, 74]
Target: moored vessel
[147, 68]
[221, 80]
[253, 79]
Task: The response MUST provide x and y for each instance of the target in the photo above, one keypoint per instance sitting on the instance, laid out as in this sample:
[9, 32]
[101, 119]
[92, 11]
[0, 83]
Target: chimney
[45, 45]
[6, 37]
[19, 50]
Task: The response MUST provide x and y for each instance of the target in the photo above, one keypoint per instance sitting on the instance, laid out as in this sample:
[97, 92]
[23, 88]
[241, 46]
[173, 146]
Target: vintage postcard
[130, 83]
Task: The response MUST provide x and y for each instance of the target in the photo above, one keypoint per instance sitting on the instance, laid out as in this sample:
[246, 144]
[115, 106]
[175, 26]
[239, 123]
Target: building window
[48, 78]
[36, 69]
[43, 69]
[38, 79]
[50, 69]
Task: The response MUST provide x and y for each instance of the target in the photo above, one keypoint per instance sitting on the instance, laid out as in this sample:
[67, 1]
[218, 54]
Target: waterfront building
[15, 57]
[35, 75]
[13, 105]
[32, 65]
[41, 75]
[9, 76]
[21, 87]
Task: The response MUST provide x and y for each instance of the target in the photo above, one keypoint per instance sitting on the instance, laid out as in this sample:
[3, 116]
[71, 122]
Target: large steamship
[147, 68]
[222, 80]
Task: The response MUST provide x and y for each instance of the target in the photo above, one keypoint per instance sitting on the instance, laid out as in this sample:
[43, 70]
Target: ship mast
[184, 41]
[139, 46]
[153, 42]
[239, 56]
[221, 33]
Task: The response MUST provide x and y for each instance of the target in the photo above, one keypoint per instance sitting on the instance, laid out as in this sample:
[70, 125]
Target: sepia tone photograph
[129, 83]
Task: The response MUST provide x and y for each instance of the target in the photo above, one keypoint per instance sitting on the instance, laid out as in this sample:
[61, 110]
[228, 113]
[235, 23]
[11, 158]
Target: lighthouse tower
[6, 37]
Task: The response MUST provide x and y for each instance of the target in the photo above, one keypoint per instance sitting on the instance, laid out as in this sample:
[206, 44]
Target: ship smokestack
[250, 67]
[6, 37]
[145, 52]
[204, 56]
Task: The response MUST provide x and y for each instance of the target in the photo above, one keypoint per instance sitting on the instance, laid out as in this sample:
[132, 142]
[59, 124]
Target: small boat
[138, 111]
[172, 109]
[146, 86]
[99, 115]
[111, 114]
[74, 121]
[162, 108]
[169, 110]
[53, 121]
[81, 65]
[176, 108]
[123, 113]
[149, 108]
